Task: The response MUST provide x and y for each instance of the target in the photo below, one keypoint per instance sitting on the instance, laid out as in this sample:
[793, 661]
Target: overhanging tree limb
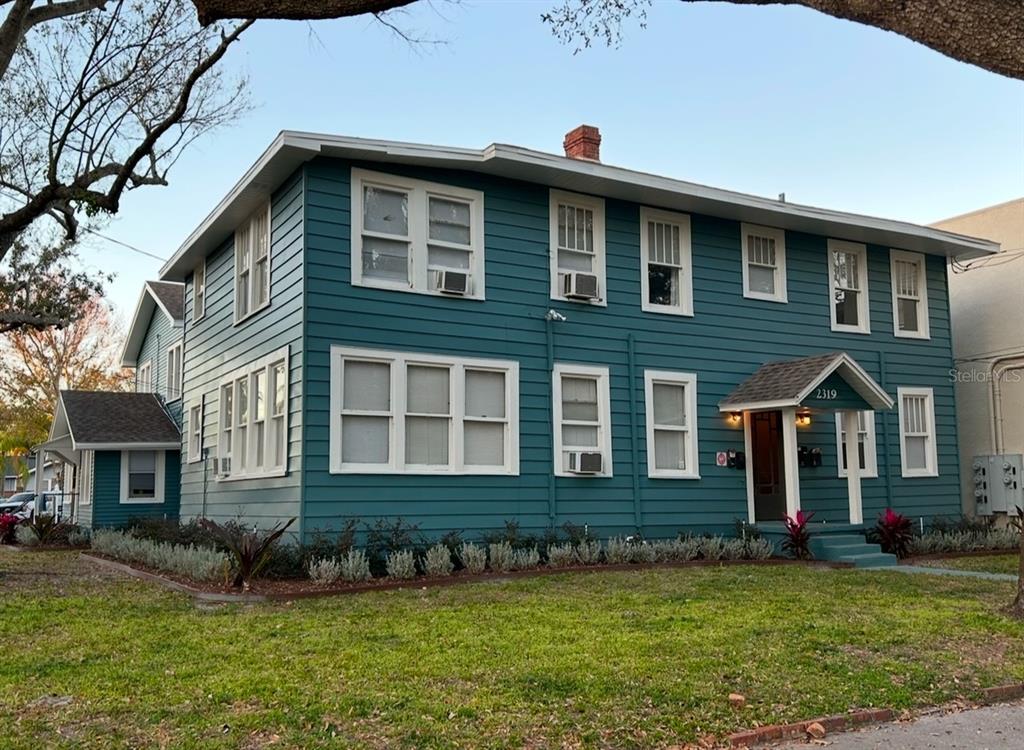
[295, 10]
[22, 16]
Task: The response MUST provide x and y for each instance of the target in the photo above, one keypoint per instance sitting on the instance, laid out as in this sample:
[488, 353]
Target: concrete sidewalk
[991, 728]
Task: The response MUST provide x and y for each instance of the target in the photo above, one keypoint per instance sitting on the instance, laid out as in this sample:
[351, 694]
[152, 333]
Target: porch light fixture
[735, 417]
[803, 419]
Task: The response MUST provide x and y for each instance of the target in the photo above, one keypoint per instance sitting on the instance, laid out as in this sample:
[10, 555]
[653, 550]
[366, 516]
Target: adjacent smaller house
[155, 342]
[124, 450]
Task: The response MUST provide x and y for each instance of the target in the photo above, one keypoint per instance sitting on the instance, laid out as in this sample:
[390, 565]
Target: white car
[20, 504]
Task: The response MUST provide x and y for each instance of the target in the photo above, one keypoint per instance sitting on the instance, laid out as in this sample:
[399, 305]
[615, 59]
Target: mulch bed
[289, 589]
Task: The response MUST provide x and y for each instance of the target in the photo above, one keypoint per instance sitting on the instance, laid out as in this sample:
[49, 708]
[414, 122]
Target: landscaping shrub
[798, 536]
[323, 571]
[250, 551]
[893, 531]
[500, 556]
[512, 536]
[79, 537]
[438, 561]
[561, 555]
[392, 536]
[758, 549]
[196, 563]
[46, 529]
[619, 550]
[588, 552]
[171, 531]
[355, 566]
[525, 559]
[453, 541]
[734, 549]
[645, 552]
[473, 557]
[990, 540]
[25, 535]
[401, 565]
[961, 524]
[746, 530]
[577, 534]
[8, 523]
[711, 547]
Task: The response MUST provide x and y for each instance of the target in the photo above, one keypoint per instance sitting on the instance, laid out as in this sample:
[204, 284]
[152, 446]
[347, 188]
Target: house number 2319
[826, 394]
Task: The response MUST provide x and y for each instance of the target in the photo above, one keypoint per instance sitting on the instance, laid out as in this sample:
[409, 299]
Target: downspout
[1012, 362]
[634, 448]
[882, 373]
[549, 334]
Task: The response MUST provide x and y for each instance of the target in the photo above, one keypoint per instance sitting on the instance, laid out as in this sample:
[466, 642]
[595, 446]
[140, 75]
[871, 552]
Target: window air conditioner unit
[452, 282]
[584, 462]
[224, 469]
[577, 285]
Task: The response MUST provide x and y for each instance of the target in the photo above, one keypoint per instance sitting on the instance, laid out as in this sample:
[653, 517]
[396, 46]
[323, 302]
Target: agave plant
[250, 550]
[798, 536]
[894, 532]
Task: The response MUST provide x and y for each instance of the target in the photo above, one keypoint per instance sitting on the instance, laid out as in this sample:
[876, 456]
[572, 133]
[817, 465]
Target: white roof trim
[149, 301]
[127, 446]
[290, 149]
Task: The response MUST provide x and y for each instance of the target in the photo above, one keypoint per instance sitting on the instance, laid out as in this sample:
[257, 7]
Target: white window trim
[932, 470]
[399, 361]
[159, 483]
[923, 331]
[689, 381]
[685, 306]
[263, 363]
[863, 304]
[199, 310]
[597, 206]
[252, 266]
[86, 475]
[175, 394]
[870, 470]
[563, 369]
[147, 369]
[779, 235]
[195, 456]
[420, 191]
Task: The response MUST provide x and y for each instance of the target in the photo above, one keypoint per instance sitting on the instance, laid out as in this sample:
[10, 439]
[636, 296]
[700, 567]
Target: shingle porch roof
[103, 418]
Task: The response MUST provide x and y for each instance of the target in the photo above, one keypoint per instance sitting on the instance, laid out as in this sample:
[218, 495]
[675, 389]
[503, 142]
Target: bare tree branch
[23, 16]
[296, 10]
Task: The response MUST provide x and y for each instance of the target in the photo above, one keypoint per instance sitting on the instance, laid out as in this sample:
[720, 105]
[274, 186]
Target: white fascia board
[127, 446]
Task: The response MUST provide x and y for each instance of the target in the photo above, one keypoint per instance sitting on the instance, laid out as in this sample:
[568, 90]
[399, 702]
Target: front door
[766, 466]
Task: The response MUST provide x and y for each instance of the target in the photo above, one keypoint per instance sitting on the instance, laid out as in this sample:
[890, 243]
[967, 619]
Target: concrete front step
[835, 551]
[874, 560]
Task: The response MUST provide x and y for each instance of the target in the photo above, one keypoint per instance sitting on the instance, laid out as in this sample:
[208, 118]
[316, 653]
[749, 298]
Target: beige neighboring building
[987, 311]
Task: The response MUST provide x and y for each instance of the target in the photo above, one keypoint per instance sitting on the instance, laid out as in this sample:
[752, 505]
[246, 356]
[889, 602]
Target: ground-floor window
[917, 432]
[396, 412]
[142, 476]
[671, 406]
[865, 443]
[582, 421]
[253, 436]
[85, 477]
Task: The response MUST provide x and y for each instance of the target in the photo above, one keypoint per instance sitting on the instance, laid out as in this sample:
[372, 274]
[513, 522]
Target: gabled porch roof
[778, 385]
[103, 420]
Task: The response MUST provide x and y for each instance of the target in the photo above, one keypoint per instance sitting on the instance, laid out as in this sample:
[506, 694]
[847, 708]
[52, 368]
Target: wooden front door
[767, 466]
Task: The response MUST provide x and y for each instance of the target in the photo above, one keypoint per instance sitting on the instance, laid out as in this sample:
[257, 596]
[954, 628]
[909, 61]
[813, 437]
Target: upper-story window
[665, 274]
[144, 377]
[252, 264]
[253, 440]
[199, 292]
[764, 262]
[577, 248]
[909, 294]
[417, 236]
[848, 286]
[175, 372]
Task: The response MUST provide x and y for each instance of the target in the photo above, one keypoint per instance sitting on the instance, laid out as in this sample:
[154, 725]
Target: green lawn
[637, 659]
[1006, 563]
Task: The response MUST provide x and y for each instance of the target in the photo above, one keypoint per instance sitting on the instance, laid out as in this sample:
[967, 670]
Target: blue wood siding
[215, 346]
[160, 335]
[726, 340]
[108, 511]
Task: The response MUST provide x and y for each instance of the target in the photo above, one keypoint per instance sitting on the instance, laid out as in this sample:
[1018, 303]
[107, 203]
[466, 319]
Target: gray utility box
[998, 483]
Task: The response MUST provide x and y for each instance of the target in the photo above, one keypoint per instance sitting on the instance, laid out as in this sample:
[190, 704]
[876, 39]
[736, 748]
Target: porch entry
[770, 400]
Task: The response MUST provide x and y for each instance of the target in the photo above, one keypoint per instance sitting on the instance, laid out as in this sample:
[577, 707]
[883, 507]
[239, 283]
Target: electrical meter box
[998, 483]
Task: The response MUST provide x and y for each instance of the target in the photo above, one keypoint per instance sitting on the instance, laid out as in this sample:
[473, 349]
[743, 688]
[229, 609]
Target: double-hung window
[394, 412]
[142, 477]
[909, 294]
[253, 438]
[848, 286]
[411, 235]
[577, 241]
[144, 377]
[917, 432]
[868, 459]
[671, 406]
[764, 263]
[252, 264]
[195, 433]
[582, 415]
[665, 274]
[175, 373]
[199, 292]
[85, 477]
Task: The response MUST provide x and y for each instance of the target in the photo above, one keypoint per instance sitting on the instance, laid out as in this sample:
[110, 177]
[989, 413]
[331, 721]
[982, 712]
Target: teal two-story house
[461, 337]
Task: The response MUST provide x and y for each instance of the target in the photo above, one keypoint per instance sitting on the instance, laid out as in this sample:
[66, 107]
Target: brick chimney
[583, 142]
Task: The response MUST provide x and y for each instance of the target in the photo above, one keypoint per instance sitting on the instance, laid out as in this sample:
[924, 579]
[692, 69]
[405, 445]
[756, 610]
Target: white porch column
[40, 462]
[853, 466]
[790, 461]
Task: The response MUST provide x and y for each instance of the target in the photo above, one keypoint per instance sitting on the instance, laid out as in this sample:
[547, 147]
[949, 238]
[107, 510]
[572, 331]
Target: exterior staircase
[836, 542]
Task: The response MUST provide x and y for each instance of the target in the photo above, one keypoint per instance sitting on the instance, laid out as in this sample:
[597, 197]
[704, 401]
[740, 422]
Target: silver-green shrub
[473, 557]
[197, 563]
[733, 549]
[323, 571]
[401, 565]
[438, 561]
[25, 536]
[619, 550]
[712, 547]
[355, 566]
[78, 536]
[759, 549]
[645, 552]
[500, 556]
[935, 542]
[524, 559]
[561, 555]
[588, 552]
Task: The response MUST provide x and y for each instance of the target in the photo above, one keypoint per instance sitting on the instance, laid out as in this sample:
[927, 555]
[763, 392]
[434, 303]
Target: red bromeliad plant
[8, 522]
[798, 536]
[893, 531]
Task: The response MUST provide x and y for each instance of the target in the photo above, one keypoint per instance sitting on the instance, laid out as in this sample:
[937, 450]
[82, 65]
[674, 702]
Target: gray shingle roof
[780, 381]
[106, 417]
[171, 296]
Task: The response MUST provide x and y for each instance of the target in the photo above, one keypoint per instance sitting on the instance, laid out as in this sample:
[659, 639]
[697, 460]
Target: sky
[761, 100]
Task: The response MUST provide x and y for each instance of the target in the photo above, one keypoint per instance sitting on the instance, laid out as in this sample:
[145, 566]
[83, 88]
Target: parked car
[19, 504]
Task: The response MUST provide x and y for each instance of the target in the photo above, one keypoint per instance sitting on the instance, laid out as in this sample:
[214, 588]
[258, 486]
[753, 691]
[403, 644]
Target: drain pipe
[550, 318]
[1000, 366]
